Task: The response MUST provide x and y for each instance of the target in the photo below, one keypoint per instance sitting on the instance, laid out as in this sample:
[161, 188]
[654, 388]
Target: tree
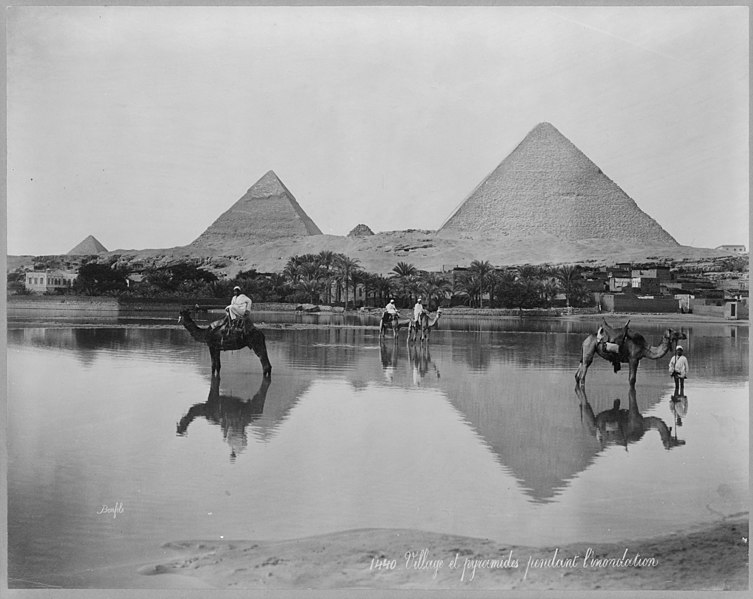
[482, 270]
[434, 285]
[404, 274]
[346, 267]
[17, 283]
[359, 277]
[506, 287]
[571, 283]
[468, 285]
[100, 279]
[382, 286]
[326, 261]
[182, 278]
[311, 287]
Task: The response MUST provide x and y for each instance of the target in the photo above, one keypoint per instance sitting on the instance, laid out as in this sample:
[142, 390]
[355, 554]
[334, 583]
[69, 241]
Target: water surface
[479, 434]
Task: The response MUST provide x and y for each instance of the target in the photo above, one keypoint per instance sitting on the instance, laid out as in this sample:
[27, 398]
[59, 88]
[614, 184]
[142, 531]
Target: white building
[49, 280]
[736, 249]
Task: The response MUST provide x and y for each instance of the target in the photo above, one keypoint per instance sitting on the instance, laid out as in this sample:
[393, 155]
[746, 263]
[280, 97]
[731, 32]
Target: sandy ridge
[711, 558]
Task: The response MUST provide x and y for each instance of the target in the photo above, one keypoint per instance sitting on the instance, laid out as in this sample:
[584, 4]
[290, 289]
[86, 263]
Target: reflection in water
[419, 357]
[679, 408]
[530, 430]
[231, 414]
[87, 343]
[388, 353]
[621, 427]
[496, 447]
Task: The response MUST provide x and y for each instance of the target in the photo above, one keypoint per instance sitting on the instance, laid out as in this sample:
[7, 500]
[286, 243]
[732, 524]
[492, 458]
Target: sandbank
[712, 557]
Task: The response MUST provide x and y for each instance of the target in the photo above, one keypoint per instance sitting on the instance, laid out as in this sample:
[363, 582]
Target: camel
[623, 426]
[391, 322]
[226, 337]
[633, 349]
[231, 414]
[424, 324]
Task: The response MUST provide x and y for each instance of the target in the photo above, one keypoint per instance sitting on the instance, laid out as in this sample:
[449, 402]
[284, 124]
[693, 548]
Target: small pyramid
[360, 231]
[547, 185]
[266, 212]
[87, 247]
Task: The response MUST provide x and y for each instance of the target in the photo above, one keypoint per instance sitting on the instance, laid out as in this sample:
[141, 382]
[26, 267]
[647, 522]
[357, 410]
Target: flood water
[119, 440]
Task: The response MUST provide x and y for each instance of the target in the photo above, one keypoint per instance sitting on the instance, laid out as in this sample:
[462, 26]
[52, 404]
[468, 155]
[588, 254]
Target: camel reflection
[419, 357]
[231, 414]
[388, 351]
[621, 427]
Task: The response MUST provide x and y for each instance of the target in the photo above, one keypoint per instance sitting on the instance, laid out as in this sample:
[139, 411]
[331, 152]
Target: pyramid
[266, 212]
[87, 247]
[360, 231]
[547, 185]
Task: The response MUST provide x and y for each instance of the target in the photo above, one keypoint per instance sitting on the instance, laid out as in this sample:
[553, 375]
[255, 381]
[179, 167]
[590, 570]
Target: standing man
[678, 370]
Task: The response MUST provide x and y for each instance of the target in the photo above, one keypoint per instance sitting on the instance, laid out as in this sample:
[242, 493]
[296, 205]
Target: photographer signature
[117, 509]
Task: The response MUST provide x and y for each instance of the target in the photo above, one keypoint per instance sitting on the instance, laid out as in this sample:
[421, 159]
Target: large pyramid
[547, 185]
[266, 212]
[88, 247]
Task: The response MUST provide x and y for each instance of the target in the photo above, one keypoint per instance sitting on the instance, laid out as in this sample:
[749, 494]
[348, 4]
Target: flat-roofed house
[49, 280]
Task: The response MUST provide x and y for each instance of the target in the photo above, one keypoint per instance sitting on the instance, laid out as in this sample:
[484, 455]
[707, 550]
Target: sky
[141, 125]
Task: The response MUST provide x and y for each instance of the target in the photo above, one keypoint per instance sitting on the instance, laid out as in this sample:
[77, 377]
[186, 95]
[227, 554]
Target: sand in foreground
[712, 558]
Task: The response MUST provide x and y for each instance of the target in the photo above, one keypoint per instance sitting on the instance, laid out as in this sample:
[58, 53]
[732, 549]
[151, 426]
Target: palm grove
[335, 279]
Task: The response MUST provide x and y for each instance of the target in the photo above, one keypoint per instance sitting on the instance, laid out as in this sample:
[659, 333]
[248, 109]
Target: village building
[736, 249]
[49, 281]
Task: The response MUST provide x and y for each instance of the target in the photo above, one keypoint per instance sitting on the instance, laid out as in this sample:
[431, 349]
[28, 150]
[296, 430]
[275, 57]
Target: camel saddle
[225, 325]
[611, 342]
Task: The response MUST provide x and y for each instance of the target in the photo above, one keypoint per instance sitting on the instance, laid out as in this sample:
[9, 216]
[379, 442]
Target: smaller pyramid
[267, 211]
[360, 231]
[87, 247]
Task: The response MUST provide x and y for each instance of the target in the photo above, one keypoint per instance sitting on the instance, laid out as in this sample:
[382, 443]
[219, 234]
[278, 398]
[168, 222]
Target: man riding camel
[390, 312]
[418, 309]
[237, 312]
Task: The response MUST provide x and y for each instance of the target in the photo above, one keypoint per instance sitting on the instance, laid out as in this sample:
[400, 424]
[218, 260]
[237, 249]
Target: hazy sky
[141, 125]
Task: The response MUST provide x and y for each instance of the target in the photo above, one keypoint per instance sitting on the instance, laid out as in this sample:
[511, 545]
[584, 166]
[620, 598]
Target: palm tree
[311, 287]
[326, 261]
[549, 290]
[360, 277]
[404, 274]
[482, 271]
[291, 272]
[505, 282]
[434, 284]
[527, 286]
[346, 266]
[383, 286]
[548, 286]
[468, 284]
[570, 281]
[528, 272]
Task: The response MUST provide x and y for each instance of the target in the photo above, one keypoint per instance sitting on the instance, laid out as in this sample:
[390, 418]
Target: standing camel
[389, 321]
[633, 349]
[623, 426]
[223, 339]
[424, 324]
